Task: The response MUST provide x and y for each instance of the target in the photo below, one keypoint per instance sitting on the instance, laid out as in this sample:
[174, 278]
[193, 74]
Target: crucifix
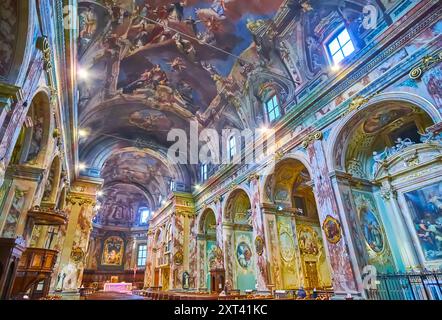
[51, 234]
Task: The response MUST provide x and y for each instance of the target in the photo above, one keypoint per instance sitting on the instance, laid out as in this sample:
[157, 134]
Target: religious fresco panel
[13, 216]
[373, 231]
[113, 252]
[425, 207]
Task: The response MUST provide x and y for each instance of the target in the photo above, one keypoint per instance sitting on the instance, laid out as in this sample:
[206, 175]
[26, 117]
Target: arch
[269, 170]
[33, 138]
[21, 51]
[205, 218]
[389, 124]
[231, 197]
[290, 196]
[336, 135]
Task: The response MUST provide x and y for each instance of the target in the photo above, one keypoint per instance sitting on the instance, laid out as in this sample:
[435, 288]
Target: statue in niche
[49, 185]
[37, 137]
[186, 277]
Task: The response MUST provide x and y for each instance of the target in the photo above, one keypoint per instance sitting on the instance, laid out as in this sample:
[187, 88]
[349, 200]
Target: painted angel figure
[402, 144]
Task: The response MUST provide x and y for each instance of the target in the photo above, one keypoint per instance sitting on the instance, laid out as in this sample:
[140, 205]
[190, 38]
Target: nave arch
[385, 159]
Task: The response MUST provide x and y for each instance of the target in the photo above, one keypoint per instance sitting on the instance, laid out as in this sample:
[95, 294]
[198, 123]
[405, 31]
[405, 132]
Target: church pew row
[167, 295]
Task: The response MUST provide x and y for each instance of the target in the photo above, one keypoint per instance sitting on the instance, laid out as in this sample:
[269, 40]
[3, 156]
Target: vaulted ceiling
[146, 67]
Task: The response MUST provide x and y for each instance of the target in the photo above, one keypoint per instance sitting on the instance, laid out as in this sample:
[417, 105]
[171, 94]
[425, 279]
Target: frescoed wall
[245, 261]
[288, 248]
[376, 242]
[13, 217]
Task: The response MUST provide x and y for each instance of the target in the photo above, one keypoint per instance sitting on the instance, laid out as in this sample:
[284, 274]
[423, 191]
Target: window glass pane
[272, 108]
[144, 215]
[344, 37]
[334, 46]
[338, 57]
[348, 49]
[277, 113]
[341, 46]
[232, 146]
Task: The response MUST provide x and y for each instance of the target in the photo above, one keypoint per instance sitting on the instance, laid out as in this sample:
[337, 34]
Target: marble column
[272, 243]
[80, 206]
[151, 254]
[337, 249]
[201, 275]
[408, 255]
[229, 252]
[261, 260]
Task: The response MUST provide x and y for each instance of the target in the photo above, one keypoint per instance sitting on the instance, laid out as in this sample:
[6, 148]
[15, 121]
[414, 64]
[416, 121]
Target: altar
[120, 287]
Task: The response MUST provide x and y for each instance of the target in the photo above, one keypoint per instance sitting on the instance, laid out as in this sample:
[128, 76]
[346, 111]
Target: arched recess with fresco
[297, 245]
[387, 165]
[240, 255]
[210, 254]
[29, 154]
[32, 140]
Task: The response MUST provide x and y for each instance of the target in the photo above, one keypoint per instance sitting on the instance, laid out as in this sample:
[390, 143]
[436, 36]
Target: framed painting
[425, 207]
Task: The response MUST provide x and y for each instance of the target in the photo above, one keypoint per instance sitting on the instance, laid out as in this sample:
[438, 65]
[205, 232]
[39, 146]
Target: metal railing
[424, 285]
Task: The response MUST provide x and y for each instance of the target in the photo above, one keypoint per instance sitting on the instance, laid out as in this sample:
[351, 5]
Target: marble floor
[112, 296]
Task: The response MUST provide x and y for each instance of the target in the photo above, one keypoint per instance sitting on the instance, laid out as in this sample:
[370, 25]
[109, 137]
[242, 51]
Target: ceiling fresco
[139, 169]
[175, 51]
[152, 66]
[119, 205]
[148, 66]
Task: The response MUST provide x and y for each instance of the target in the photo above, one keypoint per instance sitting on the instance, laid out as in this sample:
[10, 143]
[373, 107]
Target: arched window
[231, 147]
[144, 214]
[272, 108]
[204, 171]
[340, 46]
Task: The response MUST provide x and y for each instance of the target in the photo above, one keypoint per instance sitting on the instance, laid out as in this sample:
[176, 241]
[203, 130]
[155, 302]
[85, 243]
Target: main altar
[121, 287]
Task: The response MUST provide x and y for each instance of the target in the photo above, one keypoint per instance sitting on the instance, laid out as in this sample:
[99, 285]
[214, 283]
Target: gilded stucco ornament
[43, 46]
[387, 192]
[357, 102]
[425, 64]
[80, 200]
[77, 254]
[178, 258]
[311, 138]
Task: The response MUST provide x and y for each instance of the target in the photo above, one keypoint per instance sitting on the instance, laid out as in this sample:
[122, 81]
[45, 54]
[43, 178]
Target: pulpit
[10, 252]
[217, 280]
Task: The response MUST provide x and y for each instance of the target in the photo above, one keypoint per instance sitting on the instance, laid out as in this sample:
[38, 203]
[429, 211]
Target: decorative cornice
[75, 198]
